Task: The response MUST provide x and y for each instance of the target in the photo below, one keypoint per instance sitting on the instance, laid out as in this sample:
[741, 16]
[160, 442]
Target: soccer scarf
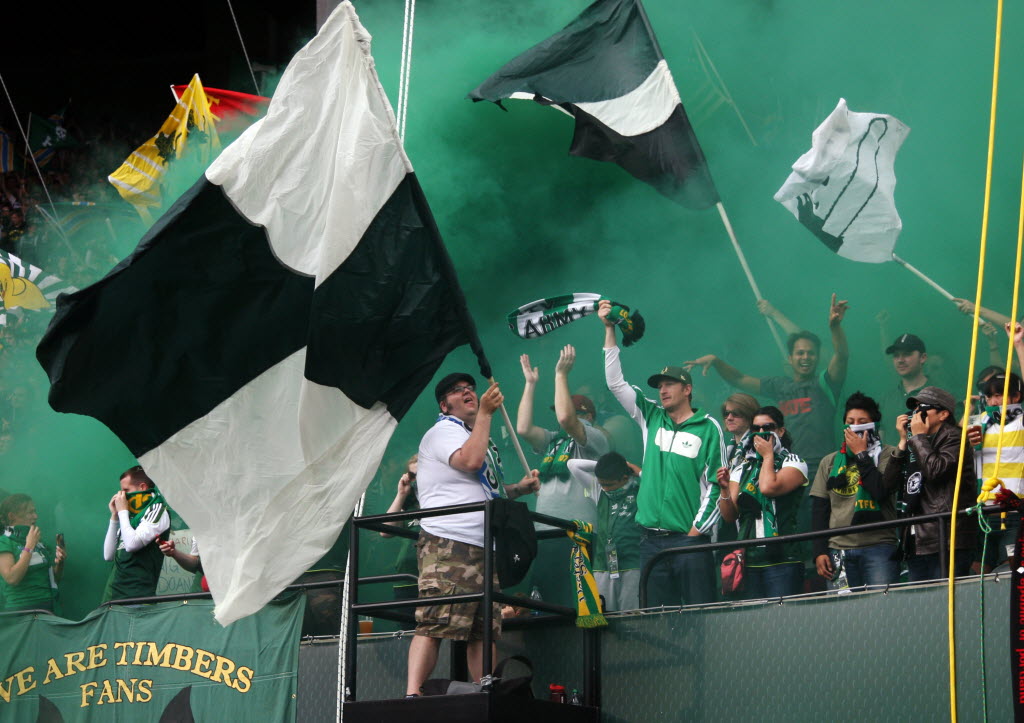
[910, 494]
[490, 476]
[544, 315]
[757, 506]
[588, 600]
[845, 475]
[19, 535]
[556, 459]
[995, 415]
[139, 503]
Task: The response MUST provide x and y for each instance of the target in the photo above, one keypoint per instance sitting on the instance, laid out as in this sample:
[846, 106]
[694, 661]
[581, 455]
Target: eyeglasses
[732, 413]
[925, 407]
[460, 390]
[770, 427]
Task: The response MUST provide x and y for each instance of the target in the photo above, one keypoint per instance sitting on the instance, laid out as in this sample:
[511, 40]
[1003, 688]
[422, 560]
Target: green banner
[169, 661]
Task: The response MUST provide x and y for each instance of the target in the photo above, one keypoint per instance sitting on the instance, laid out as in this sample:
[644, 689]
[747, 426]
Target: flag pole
[513, 435]
[750, 276]
[918, 274]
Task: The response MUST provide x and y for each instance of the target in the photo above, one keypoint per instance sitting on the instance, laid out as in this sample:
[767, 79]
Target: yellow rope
[989, 485]
[974, 349]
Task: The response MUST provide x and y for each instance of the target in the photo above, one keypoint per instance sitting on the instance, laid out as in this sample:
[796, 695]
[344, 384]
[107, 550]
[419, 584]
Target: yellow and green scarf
[588, 600]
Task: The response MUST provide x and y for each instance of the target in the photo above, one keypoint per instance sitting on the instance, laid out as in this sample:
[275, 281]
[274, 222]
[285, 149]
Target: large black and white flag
[258, 348]
[606, 70]
[843, 189]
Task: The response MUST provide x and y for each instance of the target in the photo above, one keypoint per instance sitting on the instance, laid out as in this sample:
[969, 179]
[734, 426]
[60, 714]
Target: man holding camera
[927, 457]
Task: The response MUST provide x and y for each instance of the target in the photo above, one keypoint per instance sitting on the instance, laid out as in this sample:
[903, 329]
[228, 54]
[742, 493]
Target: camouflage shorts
[449, 567]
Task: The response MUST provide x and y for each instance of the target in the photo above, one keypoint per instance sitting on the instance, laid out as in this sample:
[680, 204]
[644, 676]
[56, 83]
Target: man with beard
[678, 502]
[908, 359]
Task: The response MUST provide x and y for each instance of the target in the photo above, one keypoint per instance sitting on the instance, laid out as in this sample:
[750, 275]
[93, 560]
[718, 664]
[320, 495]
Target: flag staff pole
[513, 435]
[918, 274]
[750, 276]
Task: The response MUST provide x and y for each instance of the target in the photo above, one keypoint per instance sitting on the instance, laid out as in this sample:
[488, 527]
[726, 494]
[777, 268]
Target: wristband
[28, 549]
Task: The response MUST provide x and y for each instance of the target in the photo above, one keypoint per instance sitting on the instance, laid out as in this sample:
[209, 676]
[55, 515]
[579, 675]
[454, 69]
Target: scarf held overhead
[545, 315]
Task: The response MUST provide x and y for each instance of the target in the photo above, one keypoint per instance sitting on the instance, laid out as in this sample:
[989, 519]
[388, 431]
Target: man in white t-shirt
[576, 438]
[458, 464]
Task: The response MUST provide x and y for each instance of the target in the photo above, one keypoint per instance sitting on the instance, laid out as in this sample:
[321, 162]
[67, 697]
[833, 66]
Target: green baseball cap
[671, 374]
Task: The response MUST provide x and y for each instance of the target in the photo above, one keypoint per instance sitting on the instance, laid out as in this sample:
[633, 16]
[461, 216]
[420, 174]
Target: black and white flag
[606, 70]
[259, 347]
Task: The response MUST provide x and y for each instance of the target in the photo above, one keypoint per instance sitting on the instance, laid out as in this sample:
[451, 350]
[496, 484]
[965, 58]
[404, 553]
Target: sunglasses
[770, 427]
[460, 390]
[731, 413]
[926, 407]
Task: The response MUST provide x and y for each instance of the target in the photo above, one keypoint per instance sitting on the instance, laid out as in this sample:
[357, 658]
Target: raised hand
[836, 312]
[566, 360]
[530, 374]
[491, 399]
[704, 362]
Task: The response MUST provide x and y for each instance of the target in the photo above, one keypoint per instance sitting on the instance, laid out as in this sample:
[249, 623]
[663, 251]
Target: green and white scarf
[555, 462]
[544, 315]
[845, 476]
[755, 505]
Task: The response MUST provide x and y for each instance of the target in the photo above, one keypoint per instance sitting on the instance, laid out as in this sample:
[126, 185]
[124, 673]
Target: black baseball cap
[672, 374]
[446, 384]
[906, 342]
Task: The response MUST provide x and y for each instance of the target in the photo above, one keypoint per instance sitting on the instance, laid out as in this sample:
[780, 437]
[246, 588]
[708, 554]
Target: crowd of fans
[766, 462]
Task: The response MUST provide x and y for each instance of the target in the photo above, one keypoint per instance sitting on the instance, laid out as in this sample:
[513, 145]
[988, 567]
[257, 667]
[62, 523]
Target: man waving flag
[258, 348]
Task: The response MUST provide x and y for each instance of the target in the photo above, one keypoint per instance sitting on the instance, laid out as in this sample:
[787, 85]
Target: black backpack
[515, 540]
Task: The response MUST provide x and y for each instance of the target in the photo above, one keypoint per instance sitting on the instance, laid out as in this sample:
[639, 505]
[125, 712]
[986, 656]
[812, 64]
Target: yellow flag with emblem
[190, 124]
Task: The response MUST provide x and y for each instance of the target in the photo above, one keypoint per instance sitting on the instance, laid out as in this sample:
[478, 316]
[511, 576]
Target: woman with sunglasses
[737, 414]
[30, 569]
[766, 489]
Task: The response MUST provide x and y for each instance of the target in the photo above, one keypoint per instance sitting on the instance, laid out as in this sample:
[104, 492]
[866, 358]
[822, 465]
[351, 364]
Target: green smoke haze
[523, 220]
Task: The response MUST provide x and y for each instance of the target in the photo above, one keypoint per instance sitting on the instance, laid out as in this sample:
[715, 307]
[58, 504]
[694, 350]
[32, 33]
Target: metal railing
[392, 609]
[817, 534]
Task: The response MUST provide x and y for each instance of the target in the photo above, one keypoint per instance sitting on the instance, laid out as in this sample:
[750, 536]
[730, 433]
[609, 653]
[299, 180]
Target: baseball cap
[582, 403]
[672, 374]
[906, 342]
[450, 381]
[995, 384]
[611, 466]
[934, 396]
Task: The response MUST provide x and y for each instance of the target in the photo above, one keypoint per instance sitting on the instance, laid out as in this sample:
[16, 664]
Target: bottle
[535, 595]
[576, 698]
[556, 693]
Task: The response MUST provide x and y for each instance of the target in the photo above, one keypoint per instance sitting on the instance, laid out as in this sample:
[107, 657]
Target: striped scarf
[545, 315]
[588, 600]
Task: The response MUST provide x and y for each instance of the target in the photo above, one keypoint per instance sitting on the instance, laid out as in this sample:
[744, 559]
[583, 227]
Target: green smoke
[523, 220]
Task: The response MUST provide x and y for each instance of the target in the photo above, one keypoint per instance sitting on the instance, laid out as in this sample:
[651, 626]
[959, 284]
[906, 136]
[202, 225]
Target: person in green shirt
[29, 568]
[615, 553]
[765, 490]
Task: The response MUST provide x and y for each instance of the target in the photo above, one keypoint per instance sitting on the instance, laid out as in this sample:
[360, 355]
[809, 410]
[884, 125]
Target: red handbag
[732, 572]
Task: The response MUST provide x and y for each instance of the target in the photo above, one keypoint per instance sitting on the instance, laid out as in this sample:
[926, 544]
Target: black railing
[391, 609]
[805, 536]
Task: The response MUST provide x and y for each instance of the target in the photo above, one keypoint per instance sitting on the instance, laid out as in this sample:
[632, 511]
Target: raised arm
[765, 307]
[967, 307]
[525, 427]
[624, 393]
[1018, 340]
[13, 570]
[729, 373]
[840, 348]
[404, 488]
[564, 408]
[471, 456]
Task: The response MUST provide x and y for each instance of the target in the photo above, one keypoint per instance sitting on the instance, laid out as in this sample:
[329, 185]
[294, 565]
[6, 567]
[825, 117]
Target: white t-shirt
[440, 485]
[558, 496]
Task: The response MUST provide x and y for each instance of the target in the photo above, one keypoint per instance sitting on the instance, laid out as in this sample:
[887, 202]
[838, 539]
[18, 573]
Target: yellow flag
[139, 177]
